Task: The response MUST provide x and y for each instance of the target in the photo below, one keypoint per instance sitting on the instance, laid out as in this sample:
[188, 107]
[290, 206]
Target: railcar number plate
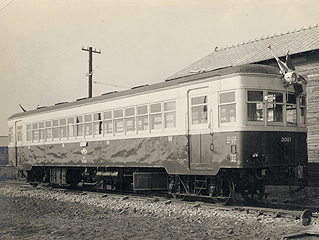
[286, 139]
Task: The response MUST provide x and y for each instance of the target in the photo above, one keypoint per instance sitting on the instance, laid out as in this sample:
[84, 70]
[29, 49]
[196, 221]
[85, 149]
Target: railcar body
[211, 134]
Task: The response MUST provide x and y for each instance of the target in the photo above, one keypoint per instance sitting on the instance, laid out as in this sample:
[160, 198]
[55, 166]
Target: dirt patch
[37, 213]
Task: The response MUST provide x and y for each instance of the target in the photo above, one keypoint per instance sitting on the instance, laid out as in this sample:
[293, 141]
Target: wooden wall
[307, 65]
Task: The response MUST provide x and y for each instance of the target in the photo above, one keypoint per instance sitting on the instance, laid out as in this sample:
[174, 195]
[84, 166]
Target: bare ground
[39, 213]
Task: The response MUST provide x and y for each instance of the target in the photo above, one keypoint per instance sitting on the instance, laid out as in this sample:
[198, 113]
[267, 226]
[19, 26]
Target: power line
[7, 5]
[109, 84]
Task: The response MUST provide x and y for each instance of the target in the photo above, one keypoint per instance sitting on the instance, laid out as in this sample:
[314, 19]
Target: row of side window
[131, 120]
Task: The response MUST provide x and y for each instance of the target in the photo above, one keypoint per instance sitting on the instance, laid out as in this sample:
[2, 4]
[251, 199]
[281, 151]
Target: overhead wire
[109, 84]
[6, 5]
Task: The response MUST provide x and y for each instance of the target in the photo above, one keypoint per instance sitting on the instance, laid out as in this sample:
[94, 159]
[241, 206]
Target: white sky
[142, 42]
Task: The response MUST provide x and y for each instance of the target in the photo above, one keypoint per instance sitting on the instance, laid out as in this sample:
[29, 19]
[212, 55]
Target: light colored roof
[255, 51]
[248, 68]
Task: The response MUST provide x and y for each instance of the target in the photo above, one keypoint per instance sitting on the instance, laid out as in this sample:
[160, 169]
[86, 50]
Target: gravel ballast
[41, 213]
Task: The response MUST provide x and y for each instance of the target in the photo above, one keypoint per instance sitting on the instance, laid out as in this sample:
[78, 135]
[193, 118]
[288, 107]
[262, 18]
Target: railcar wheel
[252, 188]
[224, 190]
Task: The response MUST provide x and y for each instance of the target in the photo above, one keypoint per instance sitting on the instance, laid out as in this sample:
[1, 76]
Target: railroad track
[306, 214]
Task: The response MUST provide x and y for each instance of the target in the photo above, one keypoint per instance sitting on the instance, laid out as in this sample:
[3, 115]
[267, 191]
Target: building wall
[307, 65]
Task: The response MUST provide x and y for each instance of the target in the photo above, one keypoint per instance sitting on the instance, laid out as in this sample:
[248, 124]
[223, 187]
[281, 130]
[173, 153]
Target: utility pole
[90, 50]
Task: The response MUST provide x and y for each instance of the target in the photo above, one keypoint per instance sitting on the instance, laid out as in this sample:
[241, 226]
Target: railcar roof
[242, 69]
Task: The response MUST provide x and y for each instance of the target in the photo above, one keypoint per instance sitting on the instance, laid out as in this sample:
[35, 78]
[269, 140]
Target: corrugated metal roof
[254, 51]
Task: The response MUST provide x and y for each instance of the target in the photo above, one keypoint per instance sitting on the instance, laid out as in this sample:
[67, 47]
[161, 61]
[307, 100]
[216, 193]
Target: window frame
[263, 102]
[132, 118]
[226, 104]
[201, 124]
[170, 111]
[98, 122]
[118, 119]
[156, 114]
[109, 121]
[275, 123]
[143, 116]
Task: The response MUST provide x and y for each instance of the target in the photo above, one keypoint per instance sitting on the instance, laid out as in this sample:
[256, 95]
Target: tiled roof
[298, 41]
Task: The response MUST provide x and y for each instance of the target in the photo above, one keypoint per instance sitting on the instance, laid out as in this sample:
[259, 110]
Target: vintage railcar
[210, 134]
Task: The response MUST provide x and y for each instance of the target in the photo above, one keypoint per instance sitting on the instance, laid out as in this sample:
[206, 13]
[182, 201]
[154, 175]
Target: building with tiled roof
[255, 51]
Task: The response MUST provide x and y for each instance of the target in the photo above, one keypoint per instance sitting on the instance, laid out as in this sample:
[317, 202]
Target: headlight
[291, 77]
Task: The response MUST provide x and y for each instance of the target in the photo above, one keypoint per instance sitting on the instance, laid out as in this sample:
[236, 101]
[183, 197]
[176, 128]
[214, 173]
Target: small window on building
[199, 108]
[227, 107]
[275, 107]
[291, 110]
[255, 106]
[170, 114]
[142, 118]
[156, 116]
[302, 110]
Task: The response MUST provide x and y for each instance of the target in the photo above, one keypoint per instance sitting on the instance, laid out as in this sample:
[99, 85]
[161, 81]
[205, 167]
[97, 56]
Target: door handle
[212, 147]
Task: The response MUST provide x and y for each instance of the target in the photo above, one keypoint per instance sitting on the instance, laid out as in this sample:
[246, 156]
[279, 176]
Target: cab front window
[274, 107]
[255, 106]
[291, 110]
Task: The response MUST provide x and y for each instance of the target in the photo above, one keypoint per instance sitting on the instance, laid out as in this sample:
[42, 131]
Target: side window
[71, 127]
[79, 126]
[130, 119]
[291, 109]
[156, 116]
[88, 125]
[199, 108]
[35, 132]
[11, 135]
[170, 114]
[55, 129]
[41, 131]
[48, 130]
[275, 107]
[142, 118]
[118, 121]
[19, 133]
[29, 133]
[227, 107]
[255, 106]
[108, 123]
[63, 128]
[97, 124]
